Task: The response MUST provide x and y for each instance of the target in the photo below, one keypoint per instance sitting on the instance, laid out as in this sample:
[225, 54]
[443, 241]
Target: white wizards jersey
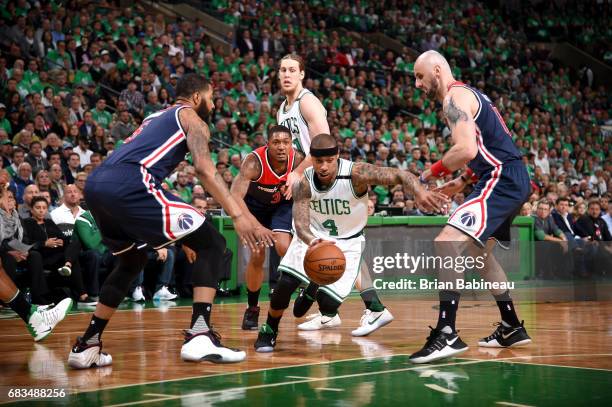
[337, 212]
[294, 121]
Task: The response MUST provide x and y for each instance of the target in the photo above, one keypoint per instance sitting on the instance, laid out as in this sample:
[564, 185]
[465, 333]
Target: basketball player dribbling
[305, 116]
[330, 207]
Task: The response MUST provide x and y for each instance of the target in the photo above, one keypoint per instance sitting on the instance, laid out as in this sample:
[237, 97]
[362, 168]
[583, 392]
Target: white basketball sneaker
[371, 321]
[138, 295]
[163, 294]
[44, 318]
[85, 356]
[319, 321]
[206, 346]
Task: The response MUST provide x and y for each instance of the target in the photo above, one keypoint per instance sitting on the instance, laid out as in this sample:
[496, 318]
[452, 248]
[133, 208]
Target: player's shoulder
[462, 96]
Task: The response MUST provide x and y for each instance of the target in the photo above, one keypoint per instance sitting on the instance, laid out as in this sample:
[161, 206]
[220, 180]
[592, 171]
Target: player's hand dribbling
[320, 241]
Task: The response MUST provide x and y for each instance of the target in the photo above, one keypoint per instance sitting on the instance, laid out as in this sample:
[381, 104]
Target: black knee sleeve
[327, 305]
[280, 298]
[118, 282]
[209, 246]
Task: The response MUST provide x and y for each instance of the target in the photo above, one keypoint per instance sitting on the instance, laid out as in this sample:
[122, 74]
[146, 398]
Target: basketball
[324, 263]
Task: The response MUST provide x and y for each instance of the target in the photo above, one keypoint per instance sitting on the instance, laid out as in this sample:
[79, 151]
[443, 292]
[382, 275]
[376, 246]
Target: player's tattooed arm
[459, 107]
[198, 136]
[454, 113]
[301, 210]
[365, 174]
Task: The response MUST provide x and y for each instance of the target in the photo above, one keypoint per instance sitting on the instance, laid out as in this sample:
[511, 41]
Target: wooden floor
[145, 345]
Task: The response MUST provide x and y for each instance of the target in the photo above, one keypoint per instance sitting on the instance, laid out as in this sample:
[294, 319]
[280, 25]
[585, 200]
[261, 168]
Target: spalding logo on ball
[468, 219]
[324, 263]
[185, 221]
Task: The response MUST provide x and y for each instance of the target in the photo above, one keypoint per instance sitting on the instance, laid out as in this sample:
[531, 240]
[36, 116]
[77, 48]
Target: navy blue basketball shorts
[277, 218]
[132, 210]
[489, 210]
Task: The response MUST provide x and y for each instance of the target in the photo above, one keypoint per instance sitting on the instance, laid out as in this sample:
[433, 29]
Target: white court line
[440, 388]
[506, 403]
[327, 362]
[469, 362]
[299, 377]
[328, 389]
[260, 386]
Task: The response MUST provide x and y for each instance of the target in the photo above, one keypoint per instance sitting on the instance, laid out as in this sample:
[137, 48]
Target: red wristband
[470, 175]
[439, 170]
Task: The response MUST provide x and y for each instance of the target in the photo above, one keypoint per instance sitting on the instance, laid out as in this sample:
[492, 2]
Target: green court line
[379, 381]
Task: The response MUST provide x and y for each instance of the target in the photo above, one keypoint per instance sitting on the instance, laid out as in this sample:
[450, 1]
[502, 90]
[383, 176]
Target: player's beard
[203, 111]
[434, 87]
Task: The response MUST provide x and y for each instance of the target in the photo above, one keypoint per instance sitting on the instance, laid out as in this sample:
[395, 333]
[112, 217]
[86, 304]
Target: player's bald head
[431, 72]
[429, 60]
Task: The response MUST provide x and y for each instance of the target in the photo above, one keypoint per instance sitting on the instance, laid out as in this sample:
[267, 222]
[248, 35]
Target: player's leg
[254, 278]
[40, 320]
[510, 331]
[201, 342]
[443, 340]
[279, 221]
[292, 275]
[376, 315]
[87, 351]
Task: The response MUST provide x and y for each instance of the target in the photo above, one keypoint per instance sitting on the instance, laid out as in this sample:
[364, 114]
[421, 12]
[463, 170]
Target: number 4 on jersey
[330, 225]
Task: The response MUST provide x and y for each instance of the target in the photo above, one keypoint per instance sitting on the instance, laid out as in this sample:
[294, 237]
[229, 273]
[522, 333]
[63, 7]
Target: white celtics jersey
[294, 121]
[337, 213]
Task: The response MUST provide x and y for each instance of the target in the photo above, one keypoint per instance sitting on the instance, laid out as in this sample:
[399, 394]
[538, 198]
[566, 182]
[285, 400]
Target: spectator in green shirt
[242, 147]
[100, 115]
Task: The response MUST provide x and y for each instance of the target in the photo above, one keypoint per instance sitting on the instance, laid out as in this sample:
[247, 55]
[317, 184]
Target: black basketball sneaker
[266, 340]
[506, 336]
[250, 321]
[439, 345]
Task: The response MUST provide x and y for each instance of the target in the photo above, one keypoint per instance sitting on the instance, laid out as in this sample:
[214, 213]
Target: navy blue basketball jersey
[495, 145]
[157, 146]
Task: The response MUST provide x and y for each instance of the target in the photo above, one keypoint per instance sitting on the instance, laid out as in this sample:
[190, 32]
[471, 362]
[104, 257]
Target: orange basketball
[324, 263]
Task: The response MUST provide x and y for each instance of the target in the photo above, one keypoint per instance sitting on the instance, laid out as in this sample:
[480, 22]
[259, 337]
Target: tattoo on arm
[301, 209]
[367, 174]
[454, 114]
[197, 142]
[197, 135]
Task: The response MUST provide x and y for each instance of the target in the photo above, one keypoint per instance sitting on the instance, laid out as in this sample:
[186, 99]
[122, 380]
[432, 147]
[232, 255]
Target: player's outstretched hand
[431, 201]
[265, 237]
[292, 178]
[245, 228]
[451, 187]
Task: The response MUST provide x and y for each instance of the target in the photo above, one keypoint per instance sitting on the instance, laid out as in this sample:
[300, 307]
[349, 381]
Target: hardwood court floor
[569, 363]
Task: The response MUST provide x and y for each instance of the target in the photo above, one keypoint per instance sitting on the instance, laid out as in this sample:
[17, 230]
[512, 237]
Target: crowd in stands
[77, 79]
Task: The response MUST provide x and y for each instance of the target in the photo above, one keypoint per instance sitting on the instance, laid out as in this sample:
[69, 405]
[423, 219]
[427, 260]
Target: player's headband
[324, 152]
